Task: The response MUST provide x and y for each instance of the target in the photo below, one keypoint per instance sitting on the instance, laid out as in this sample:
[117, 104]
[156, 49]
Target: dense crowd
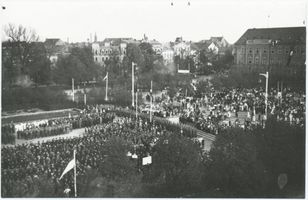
[8, 133]
[50, 128]
[90, 116]
[236, 107]
[30, 161]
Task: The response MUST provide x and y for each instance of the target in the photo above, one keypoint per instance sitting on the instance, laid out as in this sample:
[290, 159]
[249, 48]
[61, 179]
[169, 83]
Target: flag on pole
[69, 166]
[147, 160]
[106, 76]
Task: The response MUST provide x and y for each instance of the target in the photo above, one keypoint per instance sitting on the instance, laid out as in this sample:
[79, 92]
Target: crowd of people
[211, 113]
[8, 133]
[50, 128]
[90, 116]
[30, 161]
[236, 107]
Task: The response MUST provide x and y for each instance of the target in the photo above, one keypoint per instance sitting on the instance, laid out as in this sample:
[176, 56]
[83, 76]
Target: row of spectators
[8, 134]
[30, 161]
[237, 107]
[45, 128]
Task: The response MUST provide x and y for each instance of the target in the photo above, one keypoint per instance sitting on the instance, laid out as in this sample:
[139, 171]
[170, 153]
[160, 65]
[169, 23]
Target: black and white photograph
[153, 98]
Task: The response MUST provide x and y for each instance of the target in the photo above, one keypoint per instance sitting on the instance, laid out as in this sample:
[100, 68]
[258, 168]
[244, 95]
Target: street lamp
[266, 91]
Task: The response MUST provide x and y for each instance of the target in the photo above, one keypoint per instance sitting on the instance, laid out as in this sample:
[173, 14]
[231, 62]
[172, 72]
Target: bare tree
[20, 42]
[20, 33]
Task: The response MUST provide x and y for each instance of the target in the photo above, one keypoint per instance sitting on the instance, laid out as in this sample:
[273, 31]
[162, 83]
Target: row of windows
[103, 59]
[279, 50]
[105, 52]
[273, 61]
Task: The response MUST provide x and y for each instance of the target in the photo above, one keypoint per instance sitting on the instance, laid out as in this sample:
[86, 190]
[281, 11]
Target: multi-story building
[55, 47]
[167, 53]
[103, 51]
[217, 45]
[156, 46]
[271, 48]
[181, 48]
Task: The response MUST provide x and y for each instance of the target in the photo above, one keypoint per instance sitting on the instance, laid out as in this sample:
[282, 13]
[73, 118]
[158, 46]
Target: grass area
[38, 116]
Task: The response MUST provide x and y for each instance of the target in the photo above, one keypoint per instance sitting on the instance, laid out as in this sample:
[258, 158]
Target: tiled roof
[285, 35]
[200, 45]
[51, 41]
[117, 41]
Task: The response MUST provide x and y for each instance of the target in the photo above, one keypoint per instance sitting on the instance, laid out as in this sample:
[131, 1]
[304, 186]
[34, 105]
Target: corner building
[280, 50]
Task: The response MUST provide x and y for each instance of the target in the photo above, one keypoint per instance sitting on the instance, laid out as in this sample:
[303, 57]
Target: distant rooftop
[285, 35]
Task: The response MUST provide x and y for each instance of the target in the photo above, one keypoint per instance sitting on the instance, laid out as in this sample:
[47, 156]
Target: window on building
[272, 61]
[279, 50]
[96, 59]
[257, 51]
[264, 51]
[102, 59]
[250, 50]
[257, 60]
[264, 60]
[297, 50]
[287, 50]
[249, 61]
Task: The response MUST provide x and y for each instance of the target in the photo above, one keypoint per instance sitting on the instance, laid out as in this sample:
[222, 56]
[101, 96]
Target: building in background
[156, 46]
[167, 53]
[217, 45]
[181, 48]
[55, 47]
[279, 49]
[103, 51]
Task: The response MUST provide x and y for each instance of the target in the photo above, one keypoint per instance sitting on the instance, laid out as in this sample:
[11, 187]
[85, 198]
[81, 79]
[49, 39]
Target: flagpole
[151, 100]
[73, 90]
[106, 97]
[75, 185]
[136, 105]
[133, 90]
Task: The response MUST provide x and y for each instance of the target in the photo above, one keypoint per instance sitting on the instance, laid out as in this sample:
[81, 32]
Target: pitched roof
[51, 41]
[117, 41]
[216, 38]
[286, 35]
[200, 45]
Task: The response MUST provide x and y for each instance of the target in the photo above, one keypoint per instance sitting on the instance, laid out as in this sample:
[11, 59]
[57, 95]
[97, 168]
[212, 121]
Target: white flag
[69, 166]
[106, 76]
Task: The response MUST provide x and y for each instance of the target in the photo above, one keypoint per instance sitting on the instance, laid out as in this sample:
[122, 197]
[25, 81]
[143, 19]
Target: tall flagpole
[151, 99]
[133, 84]
[106, 97]
[73, 90]
[136, 104]
[266, 75]
[75, 185]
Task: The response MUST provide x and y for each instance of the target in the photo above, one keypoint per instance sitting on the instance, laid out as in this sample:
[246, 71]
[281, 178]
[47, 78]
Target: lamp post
[266, 91]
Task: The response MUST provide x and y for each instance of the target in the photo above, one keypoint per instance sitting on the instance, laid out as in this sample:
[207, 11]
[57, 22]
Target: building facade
[103, 51]
[271, 48]
[168, 55]
[55, 47]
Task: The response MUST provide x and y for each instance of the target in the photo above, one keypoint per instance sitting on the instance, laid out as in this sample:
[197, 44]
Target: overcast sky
[157, 19]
